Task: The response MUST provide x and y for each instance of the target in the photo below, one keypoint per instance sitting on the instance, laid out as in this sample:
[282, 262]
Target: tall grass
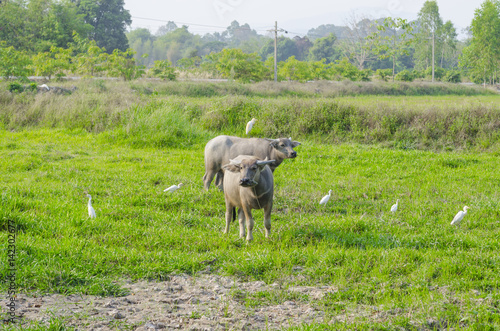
[160, 120]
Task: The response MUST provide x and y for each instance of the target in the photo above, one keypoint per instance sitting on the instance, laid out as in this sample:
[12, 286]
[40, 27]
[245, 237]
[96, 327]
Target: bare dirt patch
[204, 302]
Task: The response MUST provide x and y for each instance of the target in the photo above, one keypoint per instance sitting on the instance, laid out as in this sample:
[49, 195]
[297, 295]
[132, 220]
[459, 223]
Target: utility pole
[275, 30]
[275, 51]
[433, 56]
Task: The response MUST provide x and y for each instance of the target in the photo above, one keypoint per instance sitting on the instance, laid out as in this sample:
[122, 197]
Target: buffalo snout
[293, 154]
[245, 182]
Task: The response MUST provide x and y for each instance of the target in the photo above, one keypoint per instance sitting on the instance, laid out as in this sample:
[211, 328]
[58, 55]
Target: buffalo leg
[241, 220]
[249, 221]
[207, 178]
[219, 180]
[267, 218]
[229, 216]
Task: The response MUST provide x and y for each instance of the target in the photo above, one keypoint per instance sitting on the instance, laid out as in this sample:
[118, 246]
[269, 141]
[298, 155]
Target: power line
[182, 23]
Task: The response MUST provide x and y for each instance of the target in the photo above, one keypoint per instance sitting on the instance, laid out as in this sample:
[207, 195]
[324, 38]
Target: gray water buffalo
[248, 184]
[220, 149]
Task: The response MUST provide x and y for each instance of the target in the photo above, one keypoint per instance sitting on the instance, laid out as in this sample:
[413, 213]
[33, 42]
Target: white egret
[91, 209]
[394, 207]
[459, 216]
[325, 199]
[45, 87]
[173, 188]
[250, 125]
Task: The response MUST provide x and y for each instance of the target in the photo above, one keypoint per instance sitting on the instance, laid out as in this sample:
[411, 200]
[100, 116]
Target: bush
[438, 72]
[345, 69]
[163, 69]
[453, 76]
[364, 75]
[16, 87]
[384, 74]
[404, 76]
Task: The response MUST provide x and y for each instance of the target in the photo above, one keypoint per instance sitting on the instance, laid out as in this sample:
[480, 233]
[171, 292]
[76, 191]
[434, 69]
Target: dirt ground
[204, 302]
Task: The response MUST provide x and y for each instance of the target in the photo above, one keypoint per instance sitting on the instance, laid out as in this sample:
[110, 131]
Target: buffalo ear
[231, 167]
[295, 143]
[274, 143]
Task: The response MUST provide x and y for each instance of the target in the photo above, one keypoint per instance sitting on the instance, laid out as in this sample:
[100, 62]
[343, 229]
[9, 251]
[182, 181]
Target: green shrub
[404, 76]
[163, 69]
[438, 73]
[15, 87]
[453, 76]
[383, 74]
[365, 74]
[345, 69]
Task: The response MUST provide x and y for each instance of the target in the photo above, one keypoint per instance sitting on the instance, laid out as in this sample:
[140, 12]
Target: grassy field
[412, 264]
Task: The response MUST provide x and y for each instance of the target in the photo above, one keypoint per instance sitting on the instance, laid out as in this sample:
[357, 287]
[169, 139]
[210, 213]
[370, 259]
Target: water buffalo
[248, 184]
[220, 149]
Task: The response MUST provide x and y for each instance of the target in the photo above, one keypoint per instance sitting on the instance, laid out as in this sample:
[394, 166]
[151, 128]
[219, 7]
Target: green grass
[411, 269]
[373, 257]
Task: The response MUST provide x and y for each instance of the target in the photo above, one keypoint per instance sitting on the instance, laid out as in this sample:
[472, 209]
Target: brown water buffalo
[248, 184]
[220, 149]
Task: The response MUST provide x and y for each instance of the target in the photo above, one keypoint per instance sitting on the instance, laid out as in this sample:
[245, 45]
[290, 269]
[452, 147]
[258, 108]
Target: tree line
[53, 38]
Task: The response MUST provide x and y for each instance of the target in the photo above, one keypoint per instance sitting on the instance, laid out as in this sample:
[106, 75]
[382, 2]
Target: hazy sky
[295, 16]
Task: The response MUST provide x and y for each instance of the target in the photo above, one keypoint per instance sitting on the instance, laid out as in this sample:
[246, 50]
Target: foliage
[396, 43]
[16, 87]
[14, 64]
[429, 31]
[365, 74]
[44, 24]
[295, 70]
[286, 48]
[109, 20]
[122, 64]
[345, 69]
[439, 73]
[324, 49]
[90, 58]
[405, 76]
[453, 76]
[235, 64]
[164, 70]
[53, 63]
[383, 73]
[485, 41]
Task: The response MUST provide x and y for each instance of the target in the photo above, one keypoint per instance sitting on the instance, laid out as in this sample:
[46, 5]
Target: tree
[13, 63]
[482, 56]
[293, 69]
[394, 44]
[428, 36]
[163, 69]
[90, 58]
[164, 29]
[233, 63]
[37, 25]
[141, 41]
[357, 45]
[109, 19]
[52, 63]
[286, 48]
[122, 64]
[449, 44]
[324, 48]
[303, 46]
